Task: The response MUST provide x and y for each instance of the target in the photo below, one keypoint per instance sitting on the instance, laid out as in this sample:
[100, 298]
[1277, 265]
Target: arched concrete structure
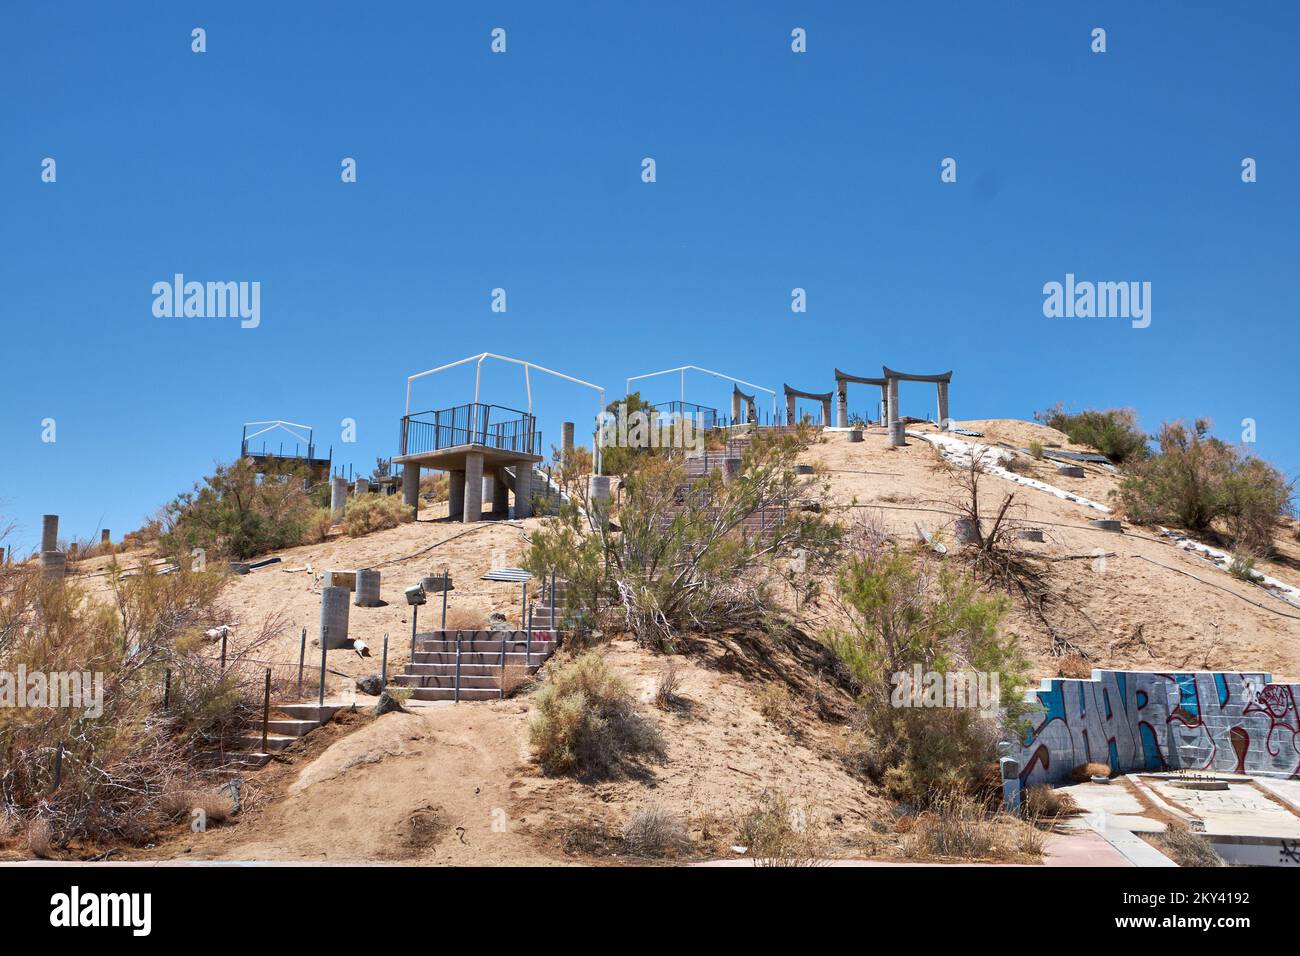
[751, 406]
[893, 377]
[842, 382]
[791, 394]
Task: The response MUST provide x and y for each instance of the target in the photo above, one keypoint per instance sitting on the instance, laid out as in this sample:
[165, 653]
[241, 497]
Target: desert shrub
[586, 723]
[775, 705]
[121, 748]
[902, 616]
[1086, 771]
[369, 513]
[667, 685]
[233, 514]
[1185, 847]
[654, 831]
[1242, 567]
[1113, 432]
[674, 555]
[319, 524]
[1044, 801]
[1036, 450]
[1196, 480]
[434, 486]
[777, 832]
[182, 802]
[957, 827]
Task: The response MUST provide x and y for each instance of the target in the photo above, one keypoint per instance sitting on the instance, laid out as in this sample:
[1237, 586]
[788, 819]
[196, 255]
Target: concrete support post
[943, 404]
[456, 494]
[523, 490]
[841, 404]
[50, 533]
[54, 564]
[489, 488]
[751, 410]
[598, 489]
[789, 410]
[105, 537]
[566, 442]
[334, 617]
[826, 412]
[362, 487]
[735, 407]
[367, 588]
[411, 486]
[1010, 768]
[896, 436]
[338, 497]
[501, 493]
[884, 404]
[473, 487]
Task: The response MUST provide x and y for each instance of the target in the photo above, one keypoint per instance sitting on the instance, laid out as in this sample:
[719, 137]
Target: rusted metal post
[444, 601]
[383, 667]
[302, 656]
[223, 653]
[324, 639]
[266, 708]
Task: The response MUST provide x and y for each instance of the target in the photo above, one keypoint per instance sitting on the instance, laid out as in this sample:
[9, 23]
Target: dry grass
[656, 832]
[776, 706]
[1185, 847]
[958, 828]
[1044, 802]
[374, 512]
[459, 619]
[182, 802]
[1086, 771]
[778, 832]
[39, 843]
[666, 686]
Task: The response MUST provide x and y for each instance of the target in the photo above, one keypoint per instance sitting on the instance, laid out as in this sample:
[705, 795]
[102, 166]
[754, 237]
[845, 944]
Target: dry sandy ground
[1145, 605]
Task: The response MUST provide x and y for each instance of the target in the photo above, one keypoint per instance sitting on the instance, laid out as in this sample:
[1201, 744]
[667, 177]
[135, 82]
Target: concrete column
[751, 410]
[501, 493]
[411, 485]
[884, 404]
[523, 491]
[456, 494]
[943, 403]
[841, 404]
[334, 616]
[735, 407]
[105, 537]
[896, 436]
[598, 489]
[789, 410]
[367, 588]
[826, 412]
[338, 497]
[50, 533]
[473, 487]
[362, 487]
[566, 443]
[54, 564]
[489, 487]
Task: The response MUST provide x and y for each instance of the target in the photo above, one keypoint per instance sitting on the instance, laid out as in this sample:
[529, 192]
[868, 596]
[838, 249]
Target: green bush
[1113, 432]
[1197, 480]
[586, 723]
[373, 512]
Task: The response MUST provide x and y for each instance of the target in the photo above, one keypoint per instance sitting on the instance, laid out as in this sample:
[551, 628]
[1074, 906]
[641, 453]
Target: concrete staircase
[482, 665]
[288, 723]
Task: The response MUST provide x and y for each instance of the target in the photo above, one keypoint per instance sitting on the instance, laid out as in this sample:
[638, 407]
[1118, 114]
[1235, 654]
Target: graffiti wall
[1142, 720]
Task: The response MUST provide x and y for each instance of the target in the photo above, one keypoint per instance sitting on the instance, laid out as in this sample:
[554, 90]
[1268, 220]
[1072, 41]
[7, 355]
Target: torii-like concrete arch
[842, 380]
[893, 377]
[793, 393]
[751, 406]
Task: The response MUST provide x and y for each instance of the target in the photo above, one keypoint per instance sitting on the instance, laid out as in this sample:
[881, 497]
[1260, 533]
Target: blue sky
[522, 171]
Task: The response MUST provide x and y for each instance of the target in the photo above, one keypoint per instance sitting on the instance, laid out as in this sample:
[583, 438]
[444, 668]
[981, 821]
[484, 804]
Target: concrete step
[540, 645]
[466, 670]
[317, 712]
[447, 680]
[292, 728]
[492, 658]
[449, 693]
[241, 758]
[274, 742]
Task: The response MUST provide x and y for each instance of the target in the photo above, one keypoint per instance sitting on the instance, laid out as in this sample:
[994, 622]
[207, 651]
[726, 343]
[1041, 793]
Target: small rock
[371, 684]
[497, 622]
[388, 703]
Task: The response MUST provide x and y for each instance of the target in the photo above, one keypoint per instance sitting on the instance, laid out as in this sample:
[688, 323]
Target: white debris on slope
[960, 453]
[1223, 561]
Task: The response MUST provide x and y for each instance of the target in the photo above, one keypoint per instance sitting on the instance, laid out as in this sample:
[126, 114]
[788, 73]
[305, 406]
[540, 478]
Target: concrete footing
[367, 588]
[1107, 524]
[1070, 471]
[54, 564]
[105, 537]
[334, 617]
[598, 489]
[362, 487]
[855, 434]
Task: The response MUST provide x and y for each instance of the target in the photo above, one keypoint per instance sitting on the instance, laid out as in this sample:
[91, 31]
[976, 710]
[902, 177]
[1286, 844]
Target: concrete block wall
[1146, 720]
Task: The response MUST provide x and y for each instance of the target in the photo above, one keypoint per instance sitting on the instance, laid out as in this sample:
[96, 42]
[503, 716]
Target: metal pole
[555, 630]
[528, 657]
[223, 653]
[266, 708]
[167, 689]
[501, 684]
[415, 616]
[383, 668]
[324, 638]
[302, 655]
[456, 693]
[58, 767]
[444, 601]
[523, 601]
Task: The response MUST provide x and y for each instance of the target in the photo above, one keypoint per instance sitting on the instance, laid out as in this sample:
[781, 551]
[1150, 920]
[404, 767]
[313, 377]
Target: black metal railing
[472, 424]
[702, 415]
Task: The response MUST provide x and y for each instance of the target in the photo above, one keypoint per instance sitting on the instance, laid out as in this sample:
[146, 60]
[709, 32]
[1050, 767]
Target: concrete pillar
[943, 403]
[1010, 768]
[735, 407]
[334, 617]
[789, 410]
[473, 487]
[50, 533]
[826, 412]
[338, 497]
[105, 537]
[367, 594]
[523, 491]
[566, 442]
[884, 404]
[456, 494]
[501, 493]
[598, 489]
[841, 404]
[751, 410]
[896, 436]
[362, 487]
[54, 564]
[411, 485]
[489, 488]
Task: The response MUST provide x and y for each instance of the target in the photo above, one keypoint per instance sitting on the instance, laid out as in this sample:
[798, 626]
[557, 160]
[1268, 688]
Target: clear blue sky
[522, 171]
